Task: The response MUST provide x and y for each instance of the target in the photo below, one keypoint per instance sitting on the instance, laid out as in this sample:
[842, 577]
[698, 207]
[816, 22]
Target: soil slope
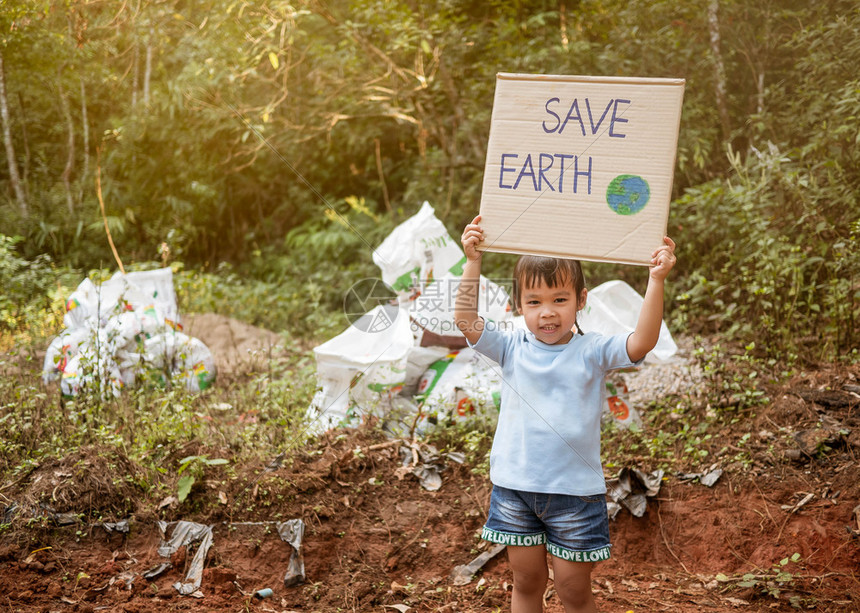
[780, 532]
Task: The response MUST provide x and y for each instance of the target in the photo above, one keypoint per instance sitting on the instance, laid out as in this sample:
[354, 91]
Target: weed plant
[678, 432]
[779, 266]
[473, 436]
[246, 417]
[31, 301]
[782, 578]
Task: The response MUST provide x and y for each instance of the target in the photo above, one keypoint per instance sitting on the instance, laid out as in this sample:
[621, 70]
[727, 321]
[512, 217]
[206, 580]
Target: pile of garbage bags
[406, 363]
[124, 332]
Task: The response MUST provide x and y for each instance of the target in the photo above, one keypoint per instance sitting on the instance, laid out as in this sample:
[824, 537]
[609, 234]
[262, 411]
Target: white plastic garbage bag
[418, 361]
[416, 252]
[93, 305]
[182, 356]
[362, 369]
[157, 288]
[81, 305]
[61, 350]
[80, 372]
[125, 328]
[82, 356]
[616, 406]
[462, 384]
[613, 308]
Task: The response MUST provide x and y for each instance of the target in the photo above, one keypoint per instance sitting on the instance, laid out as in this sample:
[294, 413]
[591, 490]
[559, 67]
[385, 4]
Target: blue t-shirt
[548, 436]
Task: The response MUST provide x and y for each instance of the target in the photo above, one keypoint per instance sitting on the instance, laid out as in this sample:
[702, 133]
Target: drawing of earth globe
[627, 194]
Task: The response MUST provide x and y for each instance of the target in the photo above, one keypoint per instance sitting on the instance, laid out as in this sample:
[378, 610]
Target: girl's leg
[530, 576]
[572, 582]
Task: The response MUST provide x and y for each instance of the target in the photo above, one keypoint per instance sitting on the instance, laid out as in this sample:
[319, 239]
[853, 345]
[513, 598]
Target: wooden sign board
[580, 167]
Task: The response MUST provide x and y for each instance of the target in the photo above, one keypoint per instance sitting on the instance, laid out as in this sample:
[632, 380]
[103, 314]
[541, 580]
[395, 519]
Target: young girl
[548, 485]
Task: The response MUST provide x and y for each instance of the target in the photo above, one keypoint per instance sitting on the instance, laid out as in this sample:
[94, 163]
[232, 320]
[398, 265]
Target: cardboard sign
[580, 167]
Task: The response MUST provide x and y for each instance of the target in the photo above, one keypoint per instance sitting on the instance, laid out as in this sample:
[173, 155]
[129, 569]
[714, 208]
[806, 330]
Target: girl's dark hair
[530, 270]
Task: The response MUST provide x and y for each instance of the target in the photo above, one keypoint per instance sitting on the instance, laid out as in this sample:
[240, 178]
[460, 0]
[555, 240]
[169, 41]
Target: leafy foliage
[770, 584]
[230, 133]
[774, 248]
[297, 288]
[194, 465]
[153, 425]
[29, 292]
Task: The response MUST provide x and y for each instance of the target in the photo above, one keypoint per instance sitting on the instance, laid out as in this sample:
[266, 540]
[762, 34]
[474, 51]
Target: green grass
[259, 413]
[246, 416]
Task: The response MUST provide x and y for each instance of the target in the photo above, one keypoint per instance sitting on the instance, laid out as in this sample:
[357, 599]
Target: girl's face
[550, 312]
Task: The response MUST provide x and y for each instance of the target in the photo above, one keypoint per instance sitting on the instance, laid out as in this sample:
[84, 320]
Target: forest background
[263, 149]
[268, 145]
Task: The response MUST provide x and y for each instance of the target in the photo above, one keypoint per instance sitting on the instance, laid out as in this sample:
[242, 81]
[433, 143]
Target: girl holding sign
[548, 485]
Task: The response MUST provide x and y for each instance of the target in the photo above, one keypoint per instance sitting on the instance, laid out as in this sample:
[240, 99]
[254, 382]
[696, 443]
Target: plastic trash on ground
[186, 533]
[292, 532]
[375, 366]
[122, 527]
[707, 478]
[416, 252]
[462, 575]
[617, 407]
[37, 512]
[134, 291]
[419, 360]
[424, 463]
[461, 384]
[613, 308]
[408, 364]
[187, 357]
[362, 369]
[631, 489]
[123, 332]
[422, 264]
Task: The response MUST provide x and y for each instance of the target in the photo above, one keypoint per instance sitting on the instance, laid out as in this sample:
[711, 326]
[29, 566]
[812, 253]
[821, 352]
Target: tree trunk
[85, 133]
[134, 57]
[562, 23]
[70, 158]
[719, 68]
[25, 170]
[147, 71]
[14, 179]
[759, 107]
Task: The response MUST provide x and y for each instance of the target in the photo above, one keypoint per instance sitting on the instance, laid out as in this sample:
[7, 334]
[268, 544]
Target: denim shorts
[574, 528]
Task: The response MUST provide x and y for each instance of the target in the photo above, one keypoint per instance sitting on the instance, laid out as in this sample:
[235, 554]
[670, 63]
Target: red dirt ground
[375, 540]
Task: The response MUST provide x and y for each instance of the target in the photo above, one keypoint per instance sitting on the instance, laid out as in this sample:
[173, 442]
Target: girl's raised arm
[466, 306]
[644, 337]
